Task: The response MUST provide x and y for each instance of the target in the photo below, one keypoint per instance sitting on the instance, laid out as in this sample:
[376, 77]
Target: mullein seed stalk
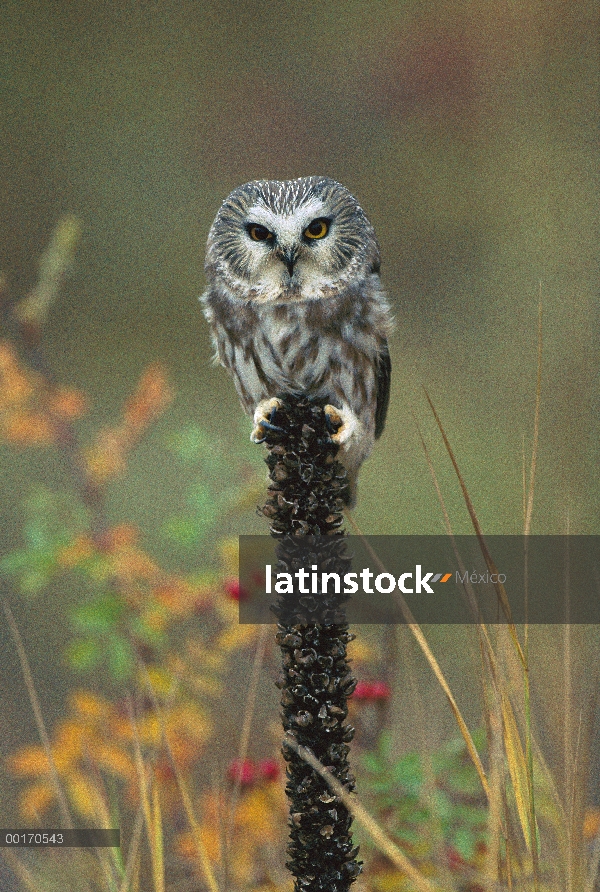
[305, 503]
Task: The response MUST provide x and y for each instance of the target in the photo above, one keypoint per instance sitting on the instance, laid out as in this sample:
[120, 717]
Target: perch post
[304, 507]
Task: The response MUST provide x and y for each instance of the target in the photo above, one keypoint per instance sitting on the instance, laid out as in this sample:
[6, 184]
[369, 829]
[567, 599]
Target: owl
[295, 305]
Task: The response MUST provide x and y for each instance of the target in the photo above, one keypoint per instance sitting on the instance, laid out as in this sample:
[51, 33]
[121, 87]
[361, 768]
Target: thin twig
[246, 727]
[39, 719]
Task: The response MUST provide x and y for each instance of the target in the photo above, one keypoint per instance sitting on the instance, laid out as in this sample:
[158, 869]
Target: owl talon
[335, 423]
[271, 427]
[263, 420]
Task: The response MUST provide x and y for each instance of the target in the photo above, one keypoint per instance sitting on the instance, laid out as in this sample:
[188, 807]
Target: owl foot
[263, 419]
[340, 423]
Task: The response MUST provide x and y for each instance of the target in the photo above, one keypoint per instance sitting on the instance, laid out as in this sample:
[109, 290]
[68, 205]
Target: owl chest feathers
[326, 348]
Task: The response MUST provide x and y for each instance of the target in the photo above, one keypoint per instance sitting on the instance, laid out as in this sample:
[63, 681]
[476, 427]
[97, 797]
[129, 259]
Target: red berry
[235, 591]
[380, 690]
[454, 860]
[242, 769]
[268, 769]
[372, 691]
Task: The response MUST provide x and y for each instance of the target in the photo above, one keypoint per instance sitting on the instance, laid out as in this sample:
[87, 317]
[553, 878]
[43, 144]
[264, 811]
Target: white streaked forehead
[286, 222]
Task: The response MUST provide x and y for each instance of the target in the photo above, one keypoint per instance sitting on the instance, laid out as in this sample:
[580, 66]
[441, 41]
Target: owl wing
[383, 378]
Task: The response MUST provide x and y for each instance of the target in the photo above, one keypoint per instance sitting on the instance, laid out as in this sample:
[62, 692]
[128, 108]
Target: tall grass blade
[517, 759]
[133, 855]
[536, 424]
[39, 719]
[517, 766]
[157, 843]
[203, 858]
[435, 666]
[528, 511]
[498, 586]
[146, 789]
[246, 727]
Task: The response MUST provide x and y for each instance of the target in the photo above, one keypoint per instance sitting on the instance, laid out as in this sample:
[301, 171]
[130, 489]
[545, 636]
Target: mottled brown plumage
[295, 305]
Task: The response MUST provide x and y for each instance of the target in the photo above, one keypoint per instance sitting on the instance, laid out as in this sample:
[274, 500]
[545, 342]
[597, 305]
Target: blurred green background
[468, 131]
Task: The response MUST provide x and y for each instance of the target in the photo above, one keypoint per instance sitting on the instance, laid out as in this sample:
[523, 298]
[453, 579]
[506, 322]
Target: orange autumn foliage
[131, 608]
[28, 429]
[98, 736]
[31, 410]
[68, 404]
[259, 827]
[152, 396]
[138, 576]
[16, 386]
[107, 457]
[76, 552]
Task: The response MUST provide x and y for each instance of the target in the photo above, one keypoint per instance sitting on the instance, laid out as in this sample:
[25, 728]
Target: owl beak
[288, 257]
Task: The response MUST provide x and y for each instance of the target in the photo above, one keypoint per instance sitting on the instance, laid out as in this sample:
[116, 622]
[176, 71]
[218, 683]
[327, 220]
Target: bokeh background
[468, 131]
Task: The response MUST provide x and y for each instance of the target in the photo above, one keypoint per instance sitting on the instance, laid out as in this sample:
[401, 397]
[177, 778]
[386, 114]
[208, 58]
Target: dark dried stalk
[306, 499]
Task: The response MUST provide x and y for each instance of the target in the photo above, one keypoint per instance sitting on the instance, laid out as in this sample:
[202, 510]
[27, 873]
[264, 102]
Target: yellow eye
[317, 229]
[259, 233]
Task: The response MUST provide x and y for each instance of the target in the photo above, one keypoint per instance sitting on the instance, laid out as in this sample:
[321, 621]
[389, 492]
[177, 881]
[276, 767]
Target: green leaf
[408, 835]
[33, 581]
[442, 806]
[408, 772]
[190, 443]
[183, 530]
[15, 561]
[83, 654]
[473, 816]
[99, 615]
[384, 747]
[464, 841]
[146, 633]
[464, 780]
[371, 762]
[120, 658]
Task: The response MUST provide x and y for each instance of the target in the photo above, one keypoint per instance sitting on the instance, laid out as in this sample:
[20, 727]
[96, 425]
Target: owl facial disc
[298, 240]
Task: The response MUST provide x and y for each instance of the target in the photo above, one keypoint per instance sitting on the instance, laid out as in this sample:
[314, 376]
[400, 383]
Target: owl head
[301, 239]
